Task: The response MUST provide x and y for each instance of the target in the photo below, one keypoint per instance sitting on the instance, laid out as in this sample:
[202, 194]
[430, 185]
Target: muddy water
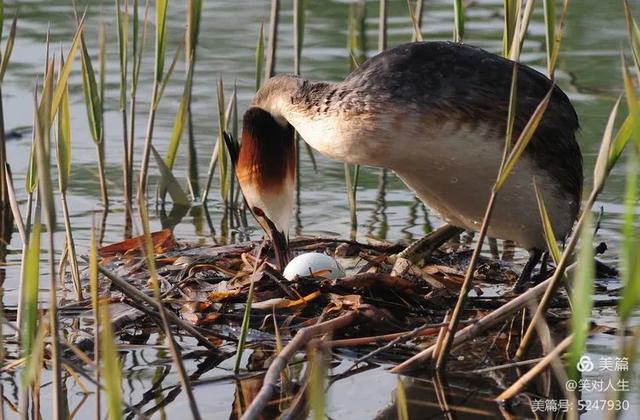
[588, 71]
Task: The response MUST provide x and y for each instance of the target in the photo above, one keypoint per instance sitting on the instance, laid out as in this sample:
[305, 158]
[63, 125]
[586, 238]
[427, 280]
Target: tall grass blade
[630, 241]
[222, 151]
[244, 329]
[511, 13]
[194, 14]
[620, 141]
[602, 167]
[63, 138]
[260, 57]
[634, 33]
[167, 76]
[93, 103]
[110, 369]
[526, 135]
[95, 305]
[582, 298]
[8, 49]
[160, 47]
[458, 10]
[179, 123]
[66, 69]
[42, 147]
[63, 154]
[401, 401]
[30, 285]
[550, 32]
[122, 23]
[317, 383]
[161, 38]
[550, 237]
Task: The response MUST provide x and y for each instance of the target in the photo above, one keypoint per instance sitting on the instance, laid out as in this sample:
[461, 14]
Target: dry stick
[557, 277]
[483, 324]
[522, 382]
[382, 26]
[425, 330]
[301, 338]
[270, 68]
[136, 295]
[466, 285]
[15, 208]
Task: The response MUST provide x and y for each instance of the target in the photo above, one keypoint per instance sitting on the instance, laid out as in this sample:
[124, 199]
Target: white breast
[450, 166]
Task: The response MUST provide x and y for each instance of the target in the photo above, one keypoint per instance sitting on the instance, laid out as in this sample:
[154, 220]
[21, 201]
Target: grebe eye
[258, 211]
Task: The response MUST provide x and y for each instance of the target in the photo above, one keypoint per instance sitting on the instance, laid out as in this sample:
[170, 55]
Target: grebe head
[266, 166]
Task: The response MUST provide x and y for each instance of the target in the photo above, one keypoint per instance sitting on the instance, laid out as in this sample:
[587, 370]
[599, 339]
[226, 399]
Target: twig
[301, 338]
[522, 382]
[138, 296]
[483, 324]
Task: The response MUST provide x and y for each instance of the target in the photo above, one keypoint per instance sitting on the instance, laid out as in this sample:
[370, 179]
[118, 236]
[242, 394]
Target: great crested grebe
[435, 113]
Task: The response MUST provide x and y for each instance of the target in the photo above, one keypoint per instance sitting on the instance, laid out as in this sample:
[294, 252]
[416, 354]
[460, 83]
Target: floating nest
[384, 311]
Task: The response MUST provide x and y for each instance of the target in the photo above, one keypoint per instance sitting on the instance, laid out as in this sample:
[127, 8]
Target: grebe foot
[423, 247]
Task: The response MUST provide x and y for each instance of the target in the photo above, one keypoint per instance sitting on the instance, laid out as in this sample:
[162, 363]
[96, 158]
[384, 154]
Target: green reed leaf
[620, 141]
[634, 33]
[122, 22]
[260, 57]
[458, 10]
[402, 407]
[169, 182]
[66, 69]
[526, 136]
[581, 298]
[179, 121]
[630, 241]
[110, 369]
[511, 13]
[317, 384]
[42, 147]
[161, 38]
[91, 93]
[550, 31]
[30, 285]
[8, 49]
[63, 137]
[550, 237]
[194, 14]
[222, 151]
[602, 168]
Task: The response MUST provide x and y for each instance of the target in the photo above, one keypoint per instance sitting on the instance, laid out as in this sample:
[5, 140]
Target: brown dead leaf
[163, 241]
[340, 302]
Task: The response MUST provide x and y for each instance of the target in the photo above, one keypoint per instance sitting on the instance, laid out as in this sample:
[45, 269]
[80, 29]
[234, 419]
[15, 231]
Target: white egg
[313, 262]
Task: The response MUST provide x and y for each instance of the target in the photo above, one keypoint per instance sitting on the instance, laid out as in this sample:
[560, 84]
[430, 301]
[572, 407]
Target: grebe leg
[525, 276]
[423, 247]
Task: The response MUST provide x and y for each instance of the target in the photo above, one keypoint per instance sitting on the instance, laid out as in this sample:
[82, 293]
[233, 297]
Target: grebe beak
[265, 166]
